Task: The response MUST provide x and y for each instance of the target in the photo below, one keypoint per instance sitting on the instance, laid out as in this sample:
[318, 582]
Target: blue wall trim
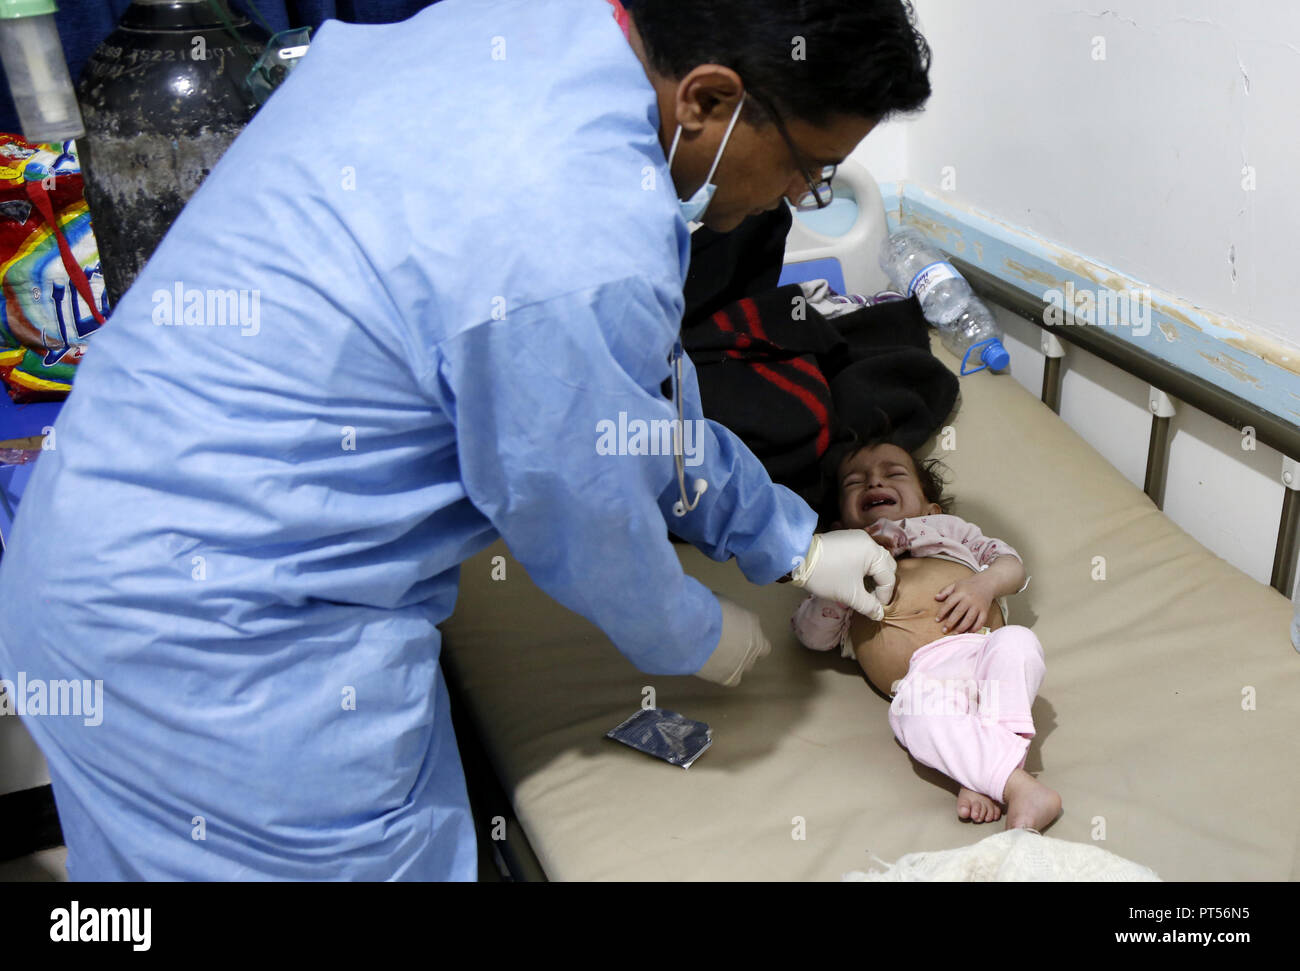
[1201, 343]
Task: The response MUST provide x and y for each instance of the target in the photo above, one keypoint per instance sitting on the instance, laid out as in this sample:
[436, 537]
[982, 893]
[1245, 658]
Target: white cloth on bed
[1014, 855]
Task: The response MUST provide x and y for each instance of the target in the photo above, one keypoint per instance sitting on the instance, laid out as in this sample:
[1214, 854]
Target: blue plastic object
[991, 353]
[835, 220]
[828, 269]
[997, 357]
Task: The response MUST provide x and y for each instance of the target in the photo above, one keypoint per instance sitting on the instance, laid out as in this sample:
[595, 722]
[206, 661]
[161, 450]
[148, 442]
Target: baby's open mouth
[877, 501]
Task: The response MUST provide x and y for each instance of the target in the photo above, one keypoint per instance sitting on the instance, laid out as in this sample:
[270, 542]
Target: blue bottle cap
[996, 356]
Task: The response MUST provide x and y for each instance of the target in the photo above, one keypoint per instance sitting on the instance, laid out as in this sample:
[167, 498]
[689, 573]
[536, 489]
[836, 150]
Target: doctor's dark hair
[863, 58]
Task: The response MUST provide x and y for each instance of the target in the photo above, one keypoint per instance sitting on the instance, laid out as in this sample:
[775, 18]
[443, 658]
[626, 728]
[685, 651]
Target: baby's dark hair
[932, 483]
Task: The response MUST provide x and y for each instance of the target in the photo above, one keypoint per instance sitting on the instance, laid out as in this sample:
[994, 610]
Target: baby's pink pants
[964, 706]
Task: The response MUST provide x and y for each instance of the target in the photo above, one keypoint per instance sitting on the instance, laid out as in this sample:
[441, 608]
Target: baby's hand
[966, 605]
[889, 535]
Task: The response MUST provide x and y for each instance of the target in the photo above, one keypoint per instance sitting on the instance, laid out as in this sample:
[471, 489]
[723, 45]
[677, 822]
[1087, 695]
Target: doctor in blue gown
[385, 332]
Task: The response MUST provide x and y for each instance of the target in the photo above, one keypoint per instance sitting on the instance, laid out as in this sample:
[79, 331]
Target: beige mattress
[1141, 724]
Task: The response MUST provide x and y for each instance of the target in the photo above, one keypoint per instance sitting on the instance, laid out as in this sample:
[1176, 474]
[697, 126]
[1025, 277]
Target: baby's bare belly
[884, 649]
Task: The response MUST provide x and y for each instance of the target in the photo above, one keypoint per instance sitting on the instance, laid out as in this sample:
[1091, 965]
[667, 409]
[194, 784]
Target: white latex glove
[742, 643]
[836, 564]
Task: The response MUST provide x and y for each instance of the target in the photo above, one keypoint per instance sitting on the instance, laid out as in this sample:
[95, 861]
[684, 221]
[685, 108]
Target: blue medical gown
[443, 255]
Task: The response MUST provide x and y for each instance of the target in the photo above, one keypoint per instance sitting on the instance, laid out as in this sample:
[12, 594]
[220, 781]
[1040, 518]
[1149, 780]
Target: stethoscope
[681, 507]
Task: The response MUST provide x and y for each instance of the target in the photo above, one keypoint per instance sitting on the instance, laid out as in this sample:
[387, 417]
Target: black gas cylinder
[162, 98]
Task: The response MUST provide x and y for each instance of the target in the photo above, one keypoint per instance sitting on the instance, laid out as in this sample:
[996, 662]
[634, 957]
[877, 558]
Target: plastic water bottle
[966, 327]
[975, 336]
[38, 75]
[919, 270]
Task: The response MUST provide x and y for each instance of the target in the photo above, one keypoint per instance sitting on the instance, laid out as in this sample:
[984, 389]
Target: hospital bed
[1168, 719]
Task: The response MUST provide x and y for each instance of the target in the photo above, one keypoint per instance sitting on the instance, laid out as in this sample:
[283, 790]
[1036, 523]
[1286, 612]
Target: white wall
[1228, 499]
[1134, 161]
[884, 152]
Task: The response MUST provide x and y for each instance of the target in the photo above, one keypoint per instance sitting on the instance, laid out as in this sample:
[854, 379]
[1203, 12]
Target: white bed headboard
[857, 249]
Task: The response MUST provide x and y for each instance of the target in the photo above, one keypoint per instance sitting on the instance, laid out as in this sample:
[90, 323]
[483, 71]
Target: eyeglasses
[820, 193]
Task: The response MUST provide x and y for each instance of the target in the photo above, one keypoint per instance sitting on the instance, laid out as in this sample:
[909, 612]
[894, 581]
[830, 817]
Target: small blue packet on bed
[665, 735]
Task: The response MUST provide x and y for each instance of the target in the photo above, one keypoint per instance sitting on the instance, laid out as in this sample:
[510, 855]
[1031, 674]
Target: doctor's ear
[708, 92]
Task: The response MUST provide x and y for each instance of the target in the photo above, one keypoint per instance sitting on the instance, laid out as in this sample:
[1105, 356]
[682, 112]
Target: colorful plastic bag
[50, 278]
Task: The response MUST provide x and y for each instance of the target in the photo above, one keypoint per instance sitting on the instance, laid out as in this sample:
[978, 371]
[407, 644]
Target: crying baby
[960, 678]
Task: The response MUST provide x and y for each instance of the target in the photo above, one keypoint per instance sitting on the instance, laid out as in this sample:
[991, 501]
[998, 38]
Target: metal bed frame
[1166, 381]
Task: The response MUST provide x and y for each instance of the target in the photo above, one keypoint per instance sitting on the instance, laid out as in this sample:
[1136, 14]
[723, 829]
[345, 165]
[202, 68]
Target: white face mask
[695, 207]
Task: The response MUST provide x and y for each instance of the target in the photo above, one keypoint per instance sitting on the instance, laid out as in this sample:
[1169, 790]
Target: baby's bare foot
[1030, 804]
[977, 807]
